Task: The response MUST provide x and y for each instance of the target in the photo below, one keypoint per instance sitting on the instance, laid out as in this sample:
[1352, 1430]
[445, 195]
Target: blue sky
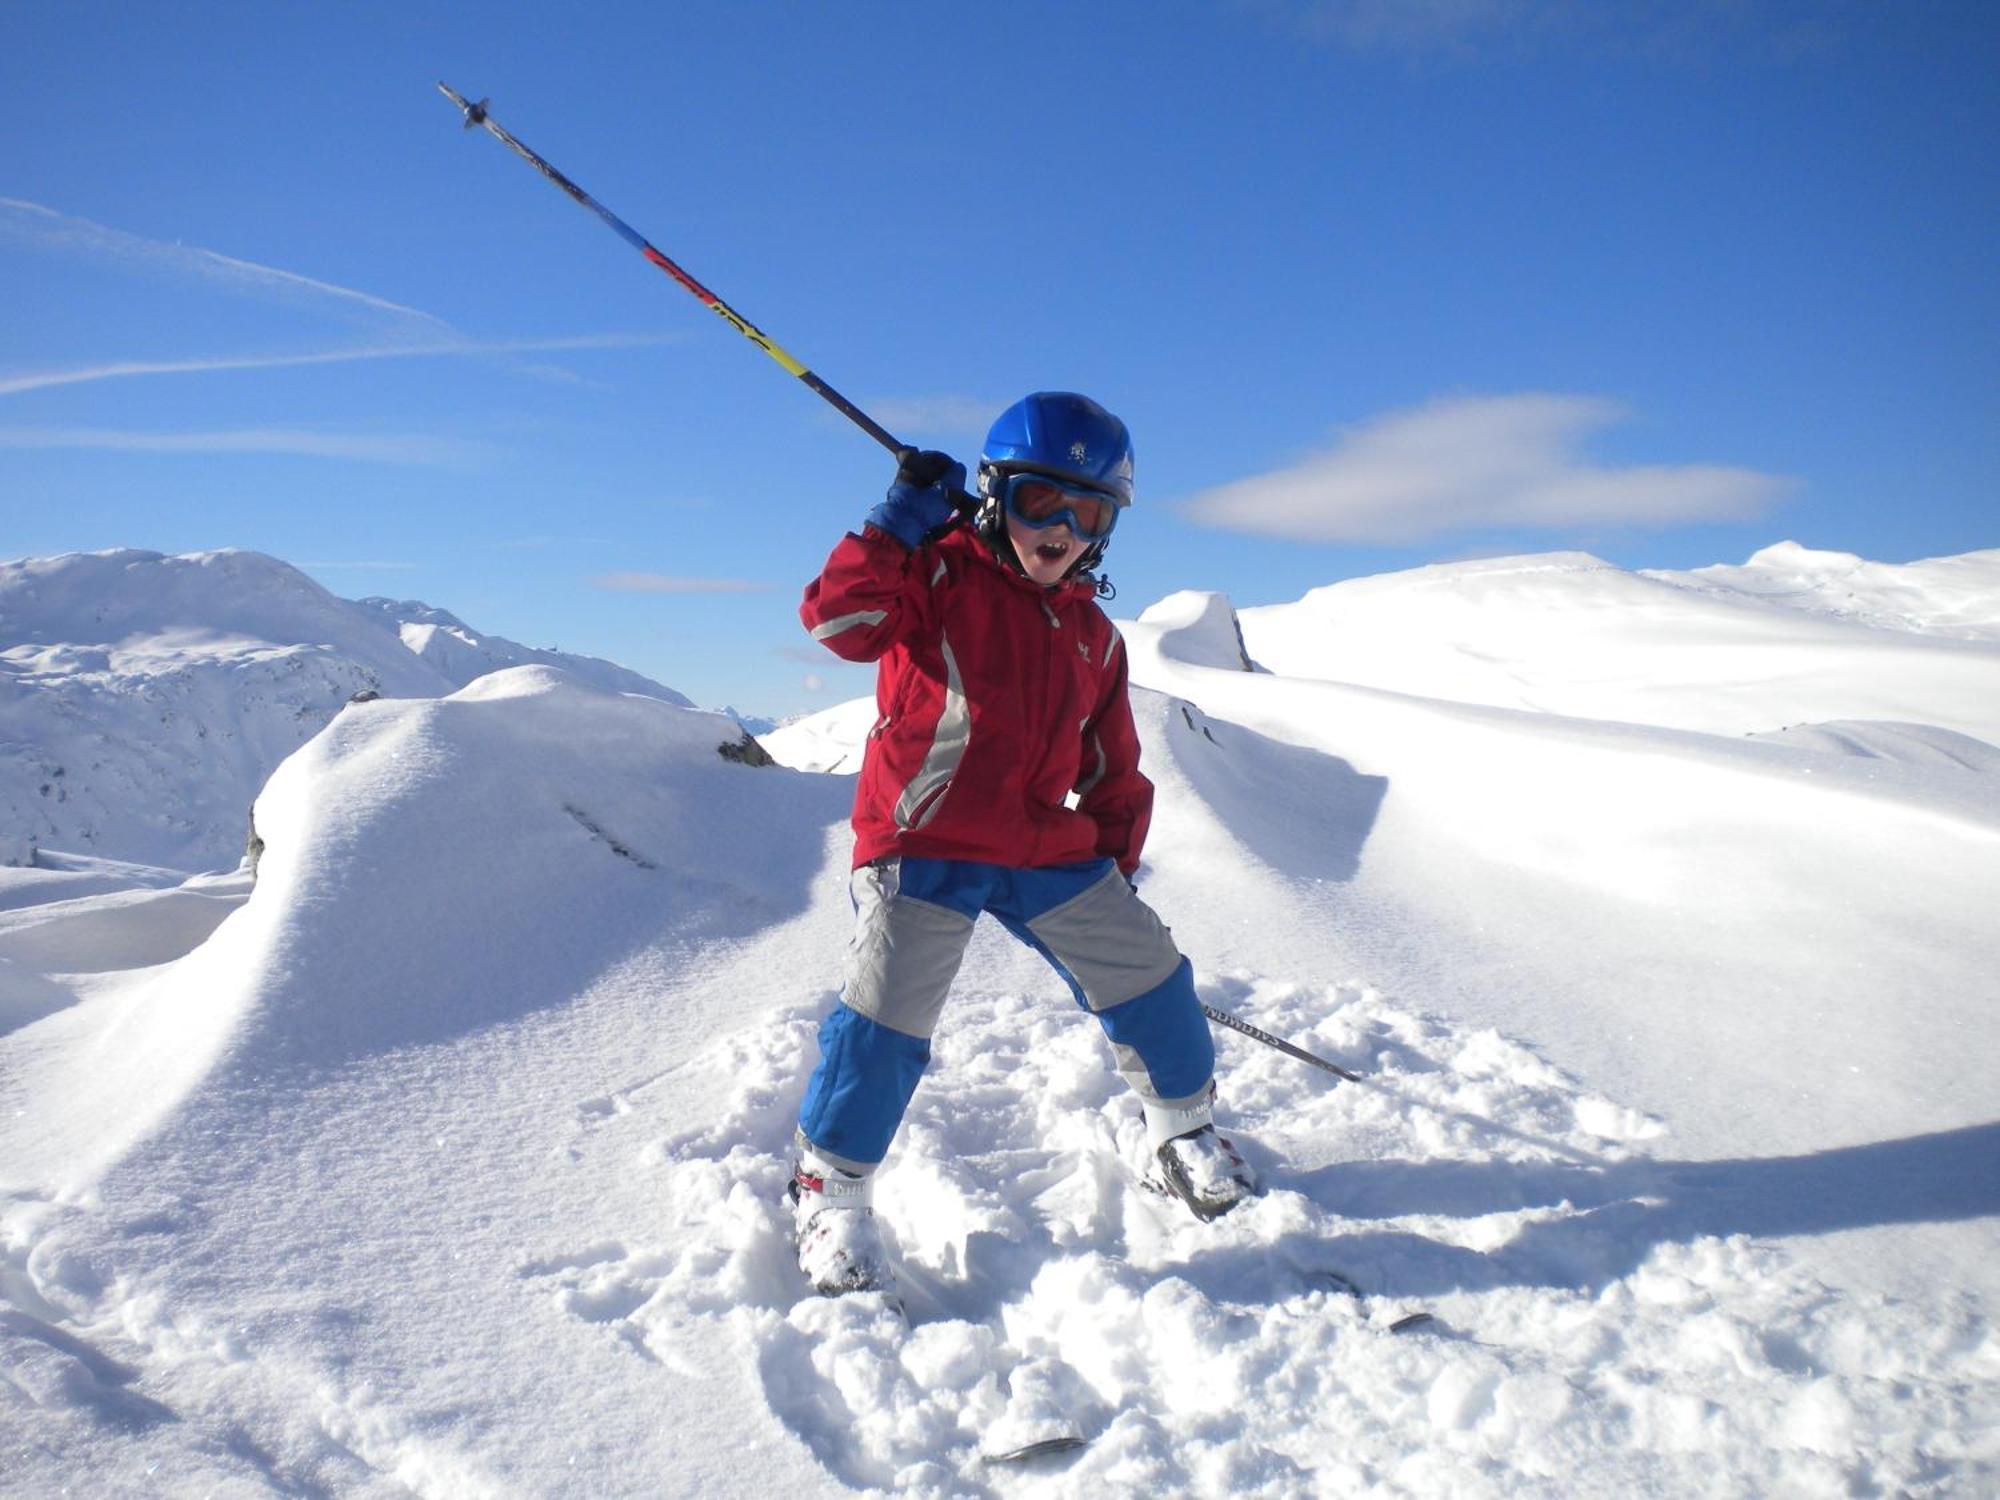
[1375, 284]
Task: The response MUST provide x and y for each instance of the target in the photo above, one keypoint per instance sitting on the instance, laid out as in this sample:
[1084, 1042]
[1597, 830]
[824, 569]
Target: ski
[1042, 1448]
[1416, 1321]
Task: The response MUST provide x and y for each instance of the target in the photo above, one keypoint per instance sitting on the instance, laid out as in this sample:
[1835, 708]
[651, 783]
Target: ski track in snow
[1587, 1341]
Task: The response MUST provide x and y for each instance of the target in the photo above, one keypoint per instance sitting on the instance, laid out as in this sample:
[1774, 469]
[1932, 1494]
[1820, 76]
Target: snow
[446, 1158]
[1956, 597]
[145, 699]
[1566, 633]
[826, 741]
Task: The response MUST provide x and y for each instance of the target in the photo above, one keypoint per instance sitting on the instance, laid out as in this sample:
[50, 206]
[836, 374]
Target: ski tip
[1414, 1322]
[1067, 1443]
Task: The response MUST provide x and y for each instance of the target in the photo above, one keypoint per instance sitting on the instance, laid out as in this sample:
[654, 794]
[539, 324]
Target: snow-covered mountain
[1727, 651]
[1955, 597]
[144, 699]
[448, 1158]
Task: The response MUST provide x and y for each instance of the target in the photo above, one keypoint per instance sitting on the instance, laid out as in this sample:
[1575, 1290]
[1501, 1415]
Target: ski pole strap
[476, 114]
[1237, 1023]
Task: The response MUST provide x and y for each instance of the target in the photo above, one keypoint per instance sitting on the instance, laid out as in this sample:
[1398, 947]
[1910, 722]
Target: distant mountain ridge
[1956, 597]
[1792, 637]
[145, 698]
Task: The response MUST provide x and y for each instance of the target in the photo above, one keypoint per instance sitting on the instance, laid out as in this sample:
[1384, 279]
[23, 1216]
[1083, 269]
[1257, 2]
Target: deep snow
[145, 699]
[448, 1161]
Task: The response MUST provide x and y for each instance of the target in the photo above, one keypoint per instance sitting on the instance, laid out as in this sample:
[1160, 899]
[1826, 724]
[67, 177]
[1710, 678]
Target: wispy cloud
[1665, 29]
[40, 226]
[808, 655]
[425, 449]
[393, 330]
[1477, 462]
[934, 416]
[661, 583]
[32, 380]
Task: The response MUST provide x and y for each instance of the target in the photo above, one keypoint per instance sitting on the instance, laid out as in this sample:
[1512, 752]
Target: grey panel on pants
[1110, 940]
[905, 953]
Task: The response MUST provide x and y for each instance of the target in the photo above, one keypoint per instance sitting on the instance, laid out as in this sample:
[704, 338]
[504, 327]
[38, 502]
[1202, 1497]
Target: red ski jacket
[996, 699]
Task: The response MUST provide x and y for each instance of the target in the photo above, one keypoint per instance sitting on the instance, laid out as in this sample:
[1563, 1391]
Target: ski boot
[839, 1243]
[1203, 1170]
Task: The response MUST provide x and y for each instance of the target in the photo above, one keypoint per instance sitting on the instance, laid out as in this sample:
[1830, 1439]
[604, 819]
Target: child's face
[1047, 552]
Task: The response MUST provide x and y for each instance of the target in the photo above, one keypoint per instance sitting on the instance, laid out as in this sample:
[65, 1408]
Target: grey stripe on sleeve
[847, 622]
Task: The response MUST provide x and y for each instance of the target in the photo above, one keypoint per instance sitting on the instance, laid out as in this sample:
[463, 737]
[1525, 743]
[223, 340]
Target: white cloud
[396, 331]
[1663, 30]
[34, 380]
[935, 416]
[810, 654]
[661, 583]
[381, 448]
[38, 225]
[1476, 462]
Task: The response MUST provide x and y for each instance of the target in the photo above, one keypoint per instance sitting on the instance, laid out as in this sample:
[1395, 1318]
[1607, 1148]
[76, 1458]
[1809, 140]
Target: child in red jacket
[1001, 691]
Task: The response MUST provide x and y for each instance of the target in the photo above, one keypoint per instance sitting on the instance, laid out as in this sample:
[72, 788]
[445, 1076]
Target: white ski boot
[839, 1243]
[1203, 1170]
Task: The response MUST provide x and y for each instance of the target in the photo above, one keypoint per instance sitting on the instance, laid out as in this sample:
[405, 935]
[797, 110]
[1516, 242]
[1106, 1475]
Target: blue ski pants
[913, 918]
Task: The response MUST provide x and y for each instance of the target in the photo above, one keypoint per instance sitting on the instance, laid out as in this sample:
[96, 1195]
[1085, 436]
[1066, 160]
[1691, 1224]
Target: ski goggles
[1036, 500]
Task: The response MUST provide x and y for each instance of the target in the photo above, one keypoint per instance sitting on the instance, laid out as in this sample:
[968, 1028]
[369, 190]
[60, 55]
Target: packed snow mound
[1674, 856]
[1923, 745]
[145, 698]
[1567, 633]
[441, 866]
[830, 740]
[573, 810]
[1199, 628]
[58, 876]
[1945, 596]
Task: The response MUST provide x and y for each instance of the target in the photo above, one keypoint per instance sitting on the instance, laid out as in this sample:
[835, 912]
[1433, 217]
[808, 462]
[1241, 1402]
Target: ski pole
[476, 114]
[1237, 1023]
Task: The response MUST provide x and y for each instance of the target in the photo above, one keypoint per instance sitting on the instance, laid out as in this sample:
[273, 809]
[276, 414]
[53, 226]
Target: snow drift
[144, 699]
[1568, 634]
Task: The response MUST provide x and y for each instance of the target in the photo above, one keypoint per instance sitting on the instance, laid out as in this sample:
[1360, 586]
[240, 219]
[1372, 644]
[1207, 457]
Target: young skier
[1002, 775]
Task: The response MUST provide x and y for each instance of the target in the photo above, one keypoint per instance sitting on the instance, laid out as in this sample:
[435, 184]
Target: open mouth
[1052, 551]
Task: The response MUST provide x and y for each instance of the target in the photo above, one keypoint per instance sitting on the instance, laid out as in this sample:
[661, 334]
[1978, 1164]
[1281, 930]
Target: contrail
[34, 380]
[38, 224]
[381, 448]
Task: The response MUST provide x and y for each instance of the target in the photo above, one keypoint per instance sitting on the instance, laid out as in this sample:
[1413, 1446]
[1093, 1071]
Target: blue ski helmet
[1065, 436]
